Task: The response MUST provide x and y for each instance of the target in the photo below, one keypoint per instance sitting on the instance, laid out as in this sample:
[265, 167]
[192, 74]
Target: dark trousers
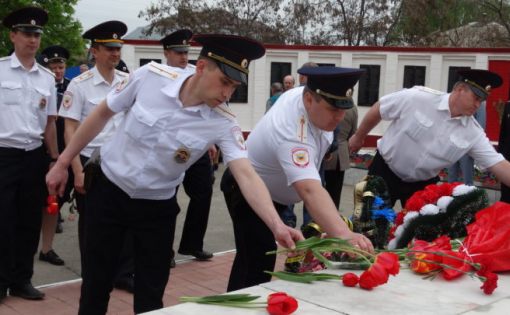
[253, 239]
[112, 215]
[397, 188]
[197, 184]
[126, 266]
[22, 198]
[334, 182]
[505, 193]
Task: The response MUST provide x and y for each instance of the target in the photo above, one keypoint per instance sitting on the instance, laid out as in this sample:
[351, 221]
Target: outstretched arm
[371, 119]
[257, 196]
[88, 130]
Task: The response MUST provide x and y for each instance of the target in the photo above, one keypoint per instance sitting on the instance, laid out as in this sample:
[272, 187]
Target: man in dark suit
[504, 147]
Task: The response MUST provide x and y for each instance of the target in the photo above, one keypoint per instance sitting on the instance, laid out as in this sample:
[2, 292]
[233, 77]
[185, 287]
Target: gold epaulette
[84, 76]
[225, 111]
[163, 70]
[429, 90]
[302, 129]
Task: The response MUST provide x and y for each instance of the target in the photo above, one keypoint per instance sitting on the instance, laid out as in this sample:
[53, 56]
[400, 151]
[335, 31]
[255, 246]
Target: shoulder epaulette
[5, 58]
[429, 90]
[163, 70]
[84, 76]
[121, 73]
[225, 111]
[40, 66]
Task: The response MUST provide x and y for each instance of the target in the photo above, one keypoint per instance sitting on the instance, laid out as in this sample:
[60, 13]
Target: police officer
[286, 148]
[430, 130]
[198, 181]
[82, 96]
[54, 58]
[173, 117]
[28, 107]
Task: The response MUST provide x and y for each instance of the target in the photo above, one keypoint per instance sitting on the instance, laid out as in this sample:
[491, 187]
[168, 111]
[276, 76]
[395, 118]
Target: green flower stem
[472, 274]
[472, 264]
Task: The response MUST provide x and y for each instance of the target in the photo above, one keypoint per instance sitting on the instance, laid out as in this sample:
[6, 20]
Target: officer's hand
[360, 241]
[355, 143]
[56, 180]
[212, 152]
[287, 236]
[79, 180]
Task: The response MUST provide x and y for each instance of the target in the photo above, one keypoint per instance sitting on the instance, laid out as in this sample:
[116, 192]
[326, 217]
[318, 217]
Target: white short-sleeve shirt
[158, 138]
[285, 147]
[423, 138]
[82, 96]
[27, 98]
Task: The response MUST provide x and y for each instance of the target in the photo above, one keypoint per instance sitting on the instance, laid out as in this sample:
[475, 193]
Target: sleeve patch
[238, 136]
[300, 157]
[67, 100]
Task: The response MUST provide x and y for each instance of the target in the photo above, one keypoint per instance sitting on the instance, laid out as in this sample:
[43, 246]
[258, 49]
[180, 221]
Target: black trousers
[198, 185]
[126, 267]
[111, 215]
[22, 198]
[397, 188]
[252, 237]
[334, 180]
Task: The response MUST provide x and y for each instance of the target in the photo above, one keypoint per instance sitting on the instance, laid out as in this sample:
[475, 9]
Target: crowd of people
[125, 142]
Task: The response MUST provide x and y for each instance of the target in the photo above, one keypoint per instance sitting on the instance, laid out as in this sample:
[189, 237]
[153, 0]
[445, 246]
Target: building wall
[391, 61]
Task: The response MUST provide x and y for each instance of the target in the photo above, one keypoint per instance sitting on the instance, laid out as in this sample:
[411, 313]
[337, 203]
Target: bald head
[288, 82]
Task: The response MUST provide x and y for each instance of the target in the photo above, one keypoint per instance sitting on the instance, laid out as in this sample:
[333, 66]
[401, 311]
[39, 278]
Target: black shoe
[198, 254]
[51, 257]
[126, 284]
[3, 293]
[172, 263]
[26, 291]
[59, 229]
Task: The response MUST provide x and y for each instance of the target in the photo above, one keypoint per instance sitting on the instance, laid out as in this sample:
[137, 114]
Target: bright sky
[92, 12]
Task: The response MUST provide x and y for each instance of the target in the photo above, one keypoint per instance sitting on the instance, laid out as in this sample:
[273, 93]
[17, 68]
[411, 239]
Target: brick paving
[189, 278]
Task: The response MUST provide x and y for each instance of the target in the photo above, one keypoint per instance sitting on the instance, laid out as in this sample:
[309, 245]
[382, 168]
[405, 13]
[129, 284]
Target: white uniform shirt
[82, 96]
[159, 138]
[423, 138]
[27, 98]
[285, 147]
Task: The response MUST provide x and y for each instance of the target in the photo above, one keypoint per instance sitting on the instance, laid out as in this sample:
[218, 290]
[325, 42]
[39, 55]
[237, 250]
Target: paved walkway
[189, 278]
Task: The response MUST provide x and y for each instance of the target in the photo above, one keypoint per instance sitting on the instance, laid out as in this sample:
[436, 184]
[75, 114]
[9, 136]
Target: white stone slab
[304, 308]
[407, 293]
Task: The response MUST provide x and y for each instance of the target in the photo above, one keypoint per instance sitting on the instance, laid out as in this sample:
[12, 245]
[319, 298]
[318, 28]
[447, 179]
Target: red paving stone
[189, 278]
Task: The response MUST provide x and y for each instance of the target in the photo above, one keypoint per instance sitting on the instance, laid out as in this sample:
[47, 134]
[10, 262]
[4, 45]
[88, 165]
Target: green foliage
[62, 28]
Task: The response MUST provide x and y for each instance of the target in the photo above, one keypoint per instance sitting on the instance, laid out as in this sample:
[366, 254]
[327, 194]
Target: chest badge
[182, 155]
[42, 103]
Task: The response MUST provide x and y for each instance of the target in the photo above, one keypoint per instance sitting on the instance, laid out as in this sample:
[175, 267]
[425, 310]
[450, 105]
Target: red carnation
[280, 303]
[490, 284]
[350, 279]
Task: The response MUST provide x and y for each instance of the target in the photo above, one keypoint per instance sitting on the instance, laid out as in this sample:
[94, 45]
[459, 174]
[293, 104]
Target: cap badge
[115, 36]
[32, 22]
[45, 59]
[488, 88]
[182, 155]
[184, 42]
[348, 93]
[244, 63]
[56, 55]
